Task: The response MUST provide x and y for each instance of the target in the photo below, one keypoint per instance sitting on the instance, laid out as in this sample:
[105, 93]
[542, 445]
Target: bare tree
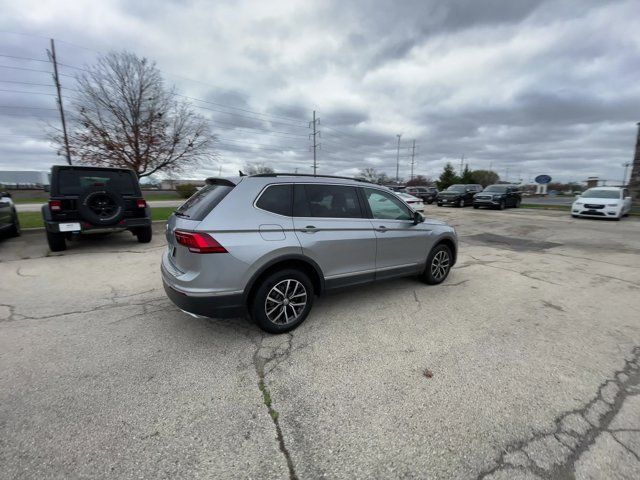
[369, 174]
[125, 117]
[257, 168]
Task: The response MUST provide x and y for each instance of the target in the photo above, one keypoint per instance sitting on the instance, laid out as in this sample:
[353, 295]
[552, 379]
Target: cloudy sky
[522, 86]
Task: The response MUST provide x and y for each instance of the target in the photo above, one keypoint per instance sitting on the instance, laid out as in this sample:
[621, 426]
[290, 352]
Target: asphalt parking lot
[524, 364]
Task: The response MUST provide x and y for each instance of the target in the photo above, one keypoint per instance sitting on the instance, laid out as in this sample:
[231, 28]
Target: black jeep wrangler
[93, 200]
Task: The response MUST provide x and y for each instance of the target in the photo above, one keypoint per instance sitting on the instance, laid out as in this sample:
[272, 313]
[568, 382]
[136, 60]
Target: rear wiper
[180, 214]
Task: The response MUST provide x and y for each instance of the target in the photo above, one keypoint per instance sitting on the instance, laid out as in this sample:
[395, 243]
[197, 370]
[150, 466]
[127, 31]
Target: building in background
[24, 178]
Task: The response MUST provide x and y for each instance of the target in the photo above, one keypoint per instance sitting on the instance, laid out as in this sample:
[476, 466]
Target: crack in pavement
[14, 316]
[575, 430]
[262, 357]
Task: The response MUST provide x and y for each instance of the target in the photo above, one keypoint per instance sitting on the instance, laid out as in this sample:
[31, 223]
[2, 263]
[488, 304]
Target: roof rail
[307, 175]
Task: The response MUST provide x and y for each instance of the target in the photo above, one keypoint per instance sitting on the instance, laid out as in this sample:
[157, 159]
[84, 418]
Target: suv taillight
[141, 203]
[55, 205]
[199, 242]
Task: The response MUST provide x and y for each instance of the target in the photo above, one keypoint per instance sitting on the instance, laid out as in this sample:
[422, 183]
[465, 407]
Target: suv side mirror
[417, 218]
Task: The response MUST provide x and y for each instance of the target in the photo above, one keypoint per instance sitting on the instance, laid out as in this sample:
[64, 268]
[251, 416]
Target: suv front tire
[282, 301]
[438, 265]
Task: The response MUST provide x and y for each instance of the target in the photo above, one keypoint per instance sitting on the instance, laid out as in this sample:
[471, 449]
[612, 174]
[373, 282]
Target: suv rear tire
[14, 231]
[438, 265]
[56, 241]
[272, 301]
[144, 234]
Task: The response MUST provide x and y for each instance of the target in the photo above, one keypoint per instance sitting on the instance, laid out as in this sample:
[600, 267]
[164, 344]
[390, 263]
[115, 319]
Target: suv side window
[331, 201]
[276, 199]
[385, 206]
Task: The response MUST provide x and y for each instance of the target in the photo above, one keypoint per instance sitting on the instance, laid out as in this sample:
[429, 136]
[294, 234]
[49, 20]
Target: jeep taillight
[199, 242]
[55, 205]
[141, 203]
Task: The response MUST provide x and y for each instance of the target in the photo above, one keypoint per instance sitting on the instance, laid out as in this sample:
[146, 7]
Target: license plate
[69, 227]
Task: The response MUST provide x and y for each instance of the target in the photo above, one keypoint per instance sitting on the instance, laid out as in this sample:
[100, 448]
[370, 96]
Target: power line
[24, 91]
[16, 57]
[234, 108]
[27, 107]
[29, 83]
[32, 70]
[246, 116]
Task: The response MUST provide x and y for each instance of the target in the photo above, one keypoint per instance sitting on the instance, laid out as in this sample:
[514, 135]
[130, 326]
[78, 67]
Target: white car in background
[416, 204]
[602, 202]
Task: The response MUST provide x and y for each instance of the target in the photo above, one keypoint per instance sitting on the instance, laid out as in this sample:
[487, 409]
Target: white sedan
[416, 204]
[603, 202]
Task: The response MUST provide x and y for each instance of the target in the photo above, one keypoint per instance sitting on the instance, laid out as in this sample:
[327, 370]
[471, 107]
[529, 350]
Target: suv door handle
[381, 228]
[309, 229]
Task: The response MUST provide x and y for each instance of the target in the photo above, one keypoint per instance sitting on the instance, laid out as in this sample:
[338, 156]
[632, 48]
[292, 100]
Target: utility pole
[313, 124]
[52, 56]
[413, 156]
[626, 166]
[398, 160]
[461, 164]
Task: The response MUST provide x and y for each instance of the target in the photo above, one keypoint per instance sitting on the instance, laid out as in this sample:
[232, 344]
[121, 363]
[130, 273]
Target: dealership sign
[543, 179]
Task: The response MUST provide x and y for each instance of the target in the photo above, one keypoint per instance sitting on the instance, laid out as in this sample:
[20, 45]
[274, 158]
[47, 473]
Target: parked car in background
[416, 204]
[602, 202]
[9, 222]
[427, 194]
[94, 200]
[269, 243]
[498, 196]
[458, 195]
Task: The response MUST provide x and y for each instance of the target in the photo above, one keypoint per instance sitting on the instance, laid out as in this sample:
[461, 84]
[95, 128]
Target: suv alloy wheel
[282, 301]
[438, 265]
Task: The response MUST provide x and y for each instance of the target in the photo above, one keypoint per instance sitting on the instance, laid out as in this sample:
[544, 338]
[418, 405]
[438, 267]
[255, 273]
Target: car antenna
[242, 174]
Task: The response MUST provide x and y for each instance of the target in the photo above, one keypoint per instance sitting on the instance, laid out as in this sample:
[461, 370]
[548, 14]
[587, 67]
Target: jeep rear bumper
[125, 224]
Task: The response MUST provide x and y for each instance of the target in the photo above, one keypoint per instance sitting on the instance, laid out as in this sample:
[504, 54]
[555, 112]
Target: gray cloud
[529, 86]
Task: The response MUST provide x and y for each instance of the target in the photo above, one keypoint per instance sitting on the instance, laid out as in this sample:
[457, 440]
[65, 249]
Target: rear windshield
[203, 201]
[75, 181]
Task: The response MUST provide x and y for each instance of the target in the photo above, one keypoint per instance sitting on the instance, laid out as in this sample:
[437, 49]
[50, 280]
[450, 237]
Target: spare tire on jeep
[101, 206]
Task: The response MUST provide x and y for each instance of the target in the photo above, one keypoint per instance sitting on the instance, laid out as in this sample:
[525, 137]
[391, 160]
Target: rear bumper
[126, 224]
[221, 306]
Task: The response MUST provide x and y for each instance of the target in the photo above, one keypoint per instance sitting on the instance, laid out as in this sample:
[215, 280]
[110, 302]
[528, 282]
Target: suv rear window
[203, 201]
[75, 181]
[276, 199]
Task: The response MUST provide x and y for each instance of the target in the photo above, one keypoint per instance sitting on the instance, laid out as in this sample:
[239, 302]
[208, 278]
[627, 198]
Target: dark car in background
[458, 195]
[427, 194]
[94, 200]
[9, 223]
[498, 196]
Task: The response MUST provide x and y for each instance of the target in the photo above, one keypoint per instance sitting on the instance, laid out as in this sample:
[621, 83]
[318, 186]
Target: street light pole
[398, 160]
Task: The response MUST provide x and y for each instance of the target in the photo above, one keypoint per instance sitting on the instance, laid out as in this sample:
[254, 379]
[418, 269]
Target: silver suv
[268, 243]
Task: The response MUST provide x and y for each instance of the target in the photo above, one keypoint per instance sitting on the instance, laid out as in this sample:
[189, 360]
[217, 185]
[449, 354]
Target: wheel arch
[449, 242]
[308, 266]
